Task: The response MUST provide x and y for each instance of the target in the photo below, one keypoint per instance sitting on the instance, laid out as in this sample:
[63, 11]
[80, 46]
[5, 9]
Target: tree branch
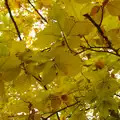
[31, 111]
[98, 28]
[109, 44]
[86, 49]
[62, 109]
[12, 18]
[57, 116]
[37, 11]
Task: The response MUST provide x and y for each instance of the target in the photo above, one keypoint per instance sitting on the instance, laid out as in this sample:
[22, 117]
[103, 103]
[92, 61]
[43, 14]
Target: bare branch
[37, 11]
[12, 18]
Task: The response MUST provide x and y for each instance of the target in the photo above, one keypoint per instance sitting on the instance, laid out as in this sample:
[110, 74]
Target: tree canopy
[59, 59]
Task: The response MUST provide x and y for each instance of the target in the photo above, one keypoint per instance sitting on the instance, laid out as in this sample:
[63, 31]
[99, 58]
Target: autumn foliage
[60, 59]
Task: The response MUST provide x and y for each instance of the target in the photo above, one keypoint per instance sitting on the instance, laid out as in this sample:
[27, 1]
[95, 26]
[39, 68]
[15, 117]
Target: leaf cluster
[59, 59]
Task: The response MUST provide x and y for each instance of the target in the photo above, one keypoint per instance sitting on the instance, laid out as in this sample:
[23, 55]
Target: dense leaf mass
[59, 59]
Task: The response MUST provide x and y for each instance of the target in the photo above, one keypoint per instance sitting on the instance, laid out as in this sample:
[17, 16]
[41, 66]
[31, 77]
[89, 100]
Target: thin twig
[102, 8]
[57, 116]
[72, 51]
[12, 18]
[37, 11]
[62, 109]
[86, 41]
[96, 47]
[73, 111]
[90, 49]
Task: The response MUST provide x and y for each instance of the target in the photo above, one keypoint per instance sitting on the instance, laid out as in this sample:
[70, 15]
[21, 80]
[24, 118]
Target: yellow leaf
[23, 82]
[82, 28]
[49, 73]
[11, 74]
[114, 7]
[66, 61]
[17, 46]
[82, 1]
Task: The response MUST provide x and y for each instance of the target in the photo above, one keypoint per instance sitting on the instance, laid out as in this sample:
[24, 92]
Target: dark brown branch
[114, 114]
[62, 109]
[109, 44]
[117, 95]
[98, 28]
[93, 48]
[31, 111]
[57, 116]
[12, 18]
[37, 11]
[39, 80]
[90, 49]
